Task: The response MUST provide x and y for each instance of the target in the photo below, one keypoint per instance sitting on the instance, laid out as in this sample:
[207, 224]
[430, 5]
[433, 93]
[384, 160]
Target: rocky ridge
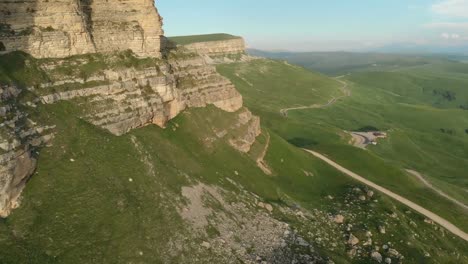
[217, 51]
[216, 48]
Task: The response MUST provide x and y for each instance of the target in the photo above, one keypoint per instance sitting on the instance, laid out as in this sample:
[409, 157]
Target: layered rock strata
[216, 48]
[19, 137]
[61, 28]
[128, 98]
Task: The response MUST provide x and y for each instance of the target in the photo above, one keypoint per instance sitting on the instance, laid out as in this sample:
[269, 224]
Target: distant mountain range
[422, 49]
[339, 63]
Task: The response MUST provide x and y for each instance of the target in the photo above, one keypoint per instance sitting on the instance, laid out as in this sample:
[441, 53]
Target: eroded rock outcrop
[19, 136]
[61, 28]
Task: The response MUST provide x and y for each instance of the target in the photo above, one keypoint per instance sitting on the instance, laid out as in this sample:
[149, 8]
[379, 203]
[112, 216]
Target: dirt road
[440, 192]
[360, 140]
[346, 92]
[437, 219]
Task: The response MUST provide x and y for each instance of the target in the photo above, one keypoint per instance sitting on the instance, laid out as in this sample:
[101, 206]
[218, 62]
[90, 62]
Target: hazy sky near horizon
[322, 25]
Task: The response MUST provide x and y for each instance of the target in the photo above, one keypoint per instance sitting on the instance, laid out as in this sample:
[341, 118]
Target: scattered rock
[388, 261]
[382, 230]
[130, 179]
[370, 194]
[352, 253]
[339, 219]
[377, 256]
[72, 160]
[393, 253]
[428, 221]
[269, 207]
[353, 240]
[362, 197]
[300, 214]
[206, 245]
[301, 242]
[368, 242]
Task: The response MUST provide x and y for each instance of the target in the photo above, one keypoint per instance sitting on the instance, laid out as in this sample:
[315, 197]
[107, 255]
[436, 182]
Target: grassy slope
[185, 40]
[415, 127]
[271, 85]
[88, 210]
[74, 212]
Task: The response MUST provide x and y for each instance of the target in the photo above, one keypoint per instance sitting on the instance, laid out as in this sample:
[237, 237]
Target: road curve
[440, 192]
[346, 92]
[437, 219]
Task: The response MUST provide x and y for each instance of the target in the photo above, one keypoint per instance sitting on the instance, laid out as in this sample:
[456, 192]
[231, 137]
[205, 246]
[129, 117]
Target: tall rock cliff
[61, 28]
[122, 76]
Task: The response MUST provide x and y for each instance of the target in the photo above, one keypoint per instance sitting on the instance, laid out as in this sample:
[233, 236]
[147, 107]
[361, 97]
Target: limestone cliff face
[127, 98]
[18, 137]
[221, 51]
[61, 28]
[216, 48]
[116, 90]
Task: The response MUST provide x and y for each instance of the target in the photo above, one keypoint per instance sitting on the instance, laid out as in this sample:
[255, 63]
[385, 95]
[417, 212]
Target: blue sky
[322, 25]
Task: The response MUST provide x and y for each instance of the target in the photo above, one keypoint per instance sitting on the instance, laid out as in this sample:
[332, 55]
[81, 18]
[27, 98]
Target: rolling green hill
[120, 200]
[421, 137]
[340, 63]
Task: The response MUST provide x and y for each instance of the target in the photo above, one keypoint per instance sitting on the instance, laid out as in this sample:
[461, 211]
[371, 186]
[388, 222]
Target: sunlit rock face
[61, 28]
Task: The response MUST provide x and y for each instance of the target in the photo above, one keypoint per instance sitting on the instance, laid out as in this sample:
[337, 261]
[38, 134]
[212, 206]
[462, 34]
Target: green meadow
[420, 107]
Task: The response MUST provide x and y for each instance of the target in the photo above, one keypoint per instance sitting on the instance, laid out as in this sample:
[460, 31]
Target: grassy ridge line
[185, 40]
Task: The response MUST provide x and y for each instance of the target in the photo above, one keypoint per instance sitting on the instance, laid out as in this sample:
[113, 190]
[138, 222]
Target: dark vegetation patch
[21, 69]
[445, 94]
[367, 129]
[2, 46]
[302, 142]
[448, 131]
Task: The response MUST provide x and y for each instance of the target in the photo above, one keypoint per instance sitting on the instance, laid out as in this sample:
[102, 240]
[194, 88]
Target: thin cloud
[452, 36]
[447, 25]
[452, 8]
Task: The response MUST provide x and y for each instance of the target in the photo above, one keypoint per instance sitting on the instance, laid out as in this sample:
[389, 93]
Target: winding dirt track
[346, 92]
[440, 192]
[437, 219]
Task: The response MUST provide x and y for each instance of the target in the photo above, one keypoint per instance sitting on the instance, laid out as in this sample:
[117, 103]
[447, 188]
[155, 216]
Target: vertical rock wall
[61, 28]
